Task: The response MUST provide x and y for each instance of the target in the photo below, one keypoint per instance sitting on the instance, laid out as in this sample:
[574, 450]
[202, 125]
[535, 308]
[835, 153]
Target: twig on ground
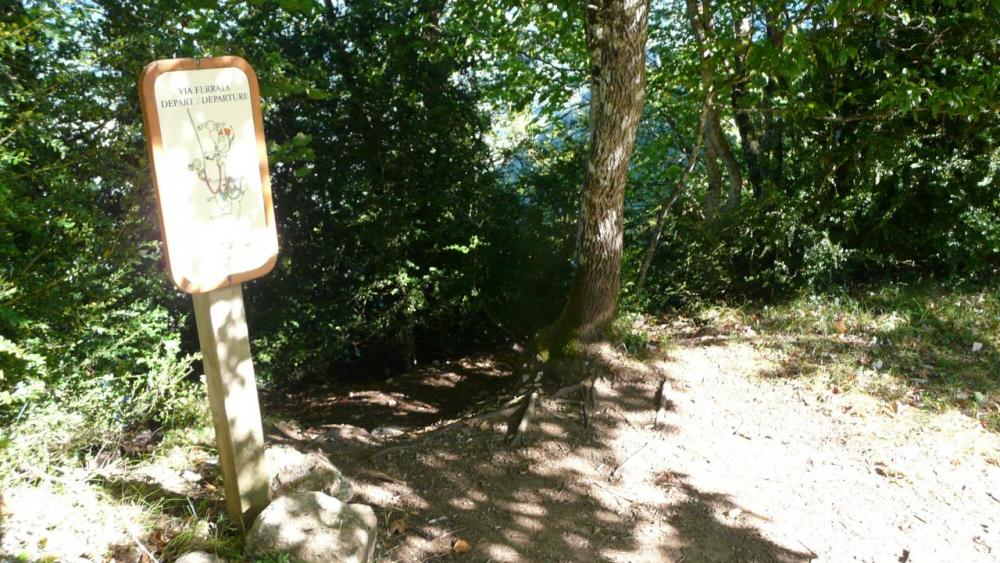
[451, 533]
[143, 548]
[522, 426]
[616, 495]
[499, 413]
[628, 459]
[564, 392]
[661, 411]
[589, 401]
[507, 411]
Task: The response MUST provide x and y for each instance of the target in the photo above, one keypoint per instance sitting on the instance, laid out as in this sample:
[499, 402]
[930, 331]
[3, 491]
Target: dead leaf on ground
[884, 470]
[397, 526]
[461, 546]
[896, 407]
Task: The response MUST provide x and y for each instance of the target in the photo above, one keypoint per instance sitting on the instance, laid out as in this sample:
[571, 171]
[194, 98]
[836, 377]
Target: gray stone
[292, 470]
[315, 527]
[387, 432]
[199, 557]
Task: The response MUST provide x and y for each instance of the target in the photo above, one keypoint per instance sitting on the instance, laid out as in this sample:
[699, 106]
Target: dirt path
[743, 468]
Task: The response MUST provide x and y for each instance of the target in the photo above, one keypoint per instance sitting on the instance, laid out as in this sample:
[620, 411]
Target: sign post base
[232, 394]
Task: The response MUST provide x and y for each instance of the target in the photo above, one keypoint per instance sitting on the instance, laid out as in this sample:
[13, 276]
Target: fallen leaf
[840, 326]
[885, 471]
[397, 526]
[461, 546]
[897, 406]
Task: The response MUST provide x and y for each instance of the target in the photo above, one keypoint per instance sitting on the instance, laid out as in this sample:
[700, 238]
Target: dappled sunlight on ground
[737, 467]
[729, 464]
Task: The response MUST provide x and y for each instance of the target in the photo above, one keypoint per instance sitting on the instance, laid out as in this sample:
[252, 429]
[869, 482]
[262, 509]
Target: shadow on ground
[444, 390]
[567, 493]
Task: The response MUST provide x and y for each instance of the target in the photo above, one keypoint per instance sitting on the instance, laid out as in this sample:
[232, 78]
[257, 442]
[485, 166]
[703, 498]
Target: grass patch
[927, 346]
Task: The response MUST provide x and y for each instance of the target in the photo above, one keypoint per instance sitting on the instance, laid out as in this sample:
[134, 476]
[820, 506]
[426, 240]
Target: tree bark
[616, 42]
[668, 202]
[720, 144]
[702, 28]
[713, 195]
[749, 138]
[762, 142]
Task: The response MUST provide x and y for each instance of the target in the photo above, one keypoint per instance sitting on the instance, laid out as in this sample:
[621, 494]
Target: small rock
[976, 346]
[387, 432]
[315, 527]
[460, 546]
[199, 557]
[291, 470]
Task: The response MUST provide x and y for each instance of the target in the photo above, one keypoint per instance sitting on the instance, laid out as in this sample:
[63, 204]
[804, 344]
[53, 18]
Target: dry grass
[928, 347]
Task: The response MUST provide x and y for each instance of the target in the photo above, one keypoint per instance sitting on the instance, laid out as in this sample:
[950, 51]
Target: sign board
[206, 148]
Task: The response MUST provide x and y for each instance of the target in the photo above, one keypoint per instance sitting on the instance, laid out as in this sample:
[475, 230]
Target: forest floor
[711, 446]
[736, 462]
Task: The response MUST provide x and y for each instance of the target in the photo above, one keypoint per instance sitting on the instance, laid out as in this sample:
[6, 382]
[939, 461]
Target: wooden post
[232, 394]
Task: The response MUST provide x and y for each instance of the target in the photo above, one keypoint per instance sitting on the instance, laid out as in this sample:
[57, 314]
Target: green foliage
[383, 192]
[881, 125]
[88, 348]
[427, 160]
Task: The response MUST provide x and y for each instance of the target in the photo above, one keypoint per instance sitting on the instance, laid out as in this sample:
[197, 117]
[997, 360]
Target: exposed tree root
[661, 411]
[517, 436]
[527, 405]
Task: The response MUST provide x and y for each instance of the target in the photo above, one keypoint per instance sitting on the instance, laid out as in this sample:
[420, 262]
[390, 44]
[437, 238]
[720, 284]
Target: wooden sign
[206, 147]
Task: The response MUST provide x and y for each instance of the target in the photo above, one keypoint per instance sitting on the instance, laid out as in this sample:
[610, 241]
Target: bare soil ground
[737, 465]
[734, 462]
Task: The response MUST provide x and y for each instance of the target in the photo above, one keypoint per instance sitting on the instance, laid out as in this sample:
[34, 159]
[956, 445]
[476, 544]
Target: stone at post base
[199, 557]
[315, 528]
[291, 470]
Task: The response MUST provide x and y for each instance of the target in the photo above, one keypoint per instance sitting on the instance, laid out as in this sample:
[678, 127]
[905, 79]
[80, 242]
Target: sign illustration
[227, 191]
[206, 148]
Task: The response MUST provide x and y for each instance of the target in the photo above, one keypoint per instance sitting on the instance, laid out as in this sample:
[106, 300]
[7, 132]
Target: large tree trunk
[616, 41]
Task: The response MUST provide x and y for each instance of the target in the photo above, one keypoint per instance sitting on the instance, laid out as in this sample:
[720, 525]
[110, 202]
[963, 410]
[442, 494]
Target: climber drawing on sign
[227, 191]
